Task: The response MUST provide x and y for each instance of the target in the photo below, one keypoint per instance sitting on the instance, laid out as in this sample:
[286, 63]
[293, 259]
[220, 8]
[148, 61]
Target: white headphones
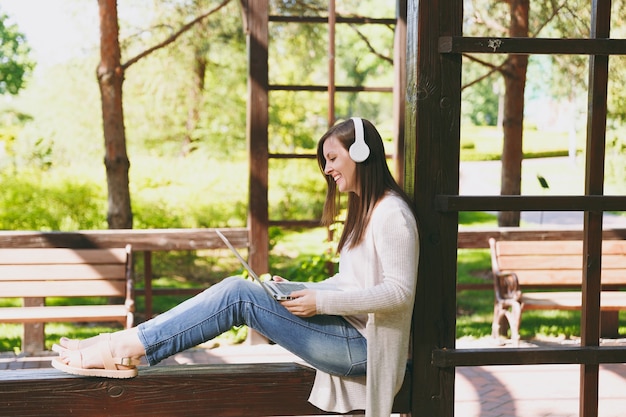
[359, 151]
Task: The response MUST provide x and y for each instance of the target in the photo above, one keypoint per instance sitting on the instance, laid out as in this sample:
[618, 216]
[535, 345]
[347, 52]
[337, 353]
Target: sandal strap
[127, 361]
[111, 363]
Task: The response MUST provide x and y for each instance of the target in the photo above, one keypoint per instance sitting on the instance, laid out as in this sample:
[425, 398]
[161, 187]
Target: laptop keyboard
[291, 286]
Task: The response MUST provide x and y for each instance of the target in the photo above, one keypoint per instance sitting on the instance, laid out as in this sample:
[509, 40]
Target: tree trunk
[513, 123]
[110, 79]
[195, 98]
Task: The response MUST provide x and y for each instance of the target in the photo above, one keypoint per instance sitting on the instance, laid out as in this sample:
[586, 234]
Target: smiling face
[340, 166]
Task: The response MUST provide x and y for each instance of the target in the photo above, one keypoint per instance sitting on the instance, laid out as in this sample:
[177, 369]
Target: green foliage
[15, 63]
[189, 96]
[296, 197]
[37, 200]
[302, 255]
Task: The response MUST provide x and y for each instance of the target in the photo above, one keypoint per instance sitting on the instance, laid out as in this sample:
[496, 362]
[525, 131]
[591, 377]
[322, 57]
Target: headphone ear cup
[359, 151]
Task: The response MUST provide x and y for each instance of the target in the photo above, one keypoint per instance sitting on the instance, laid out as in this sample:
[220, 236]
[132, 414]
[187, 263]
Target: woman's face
[340, 166]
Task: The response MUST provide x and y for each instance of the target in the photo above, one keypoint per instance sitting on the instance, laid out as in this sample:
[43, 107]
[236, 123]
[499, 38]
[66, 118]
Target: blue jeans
[328, 343]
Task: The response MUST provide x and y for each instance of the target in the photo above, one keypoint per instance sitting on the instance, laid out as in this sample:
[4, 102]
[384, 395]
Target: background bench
[518, 266]
[34, 274]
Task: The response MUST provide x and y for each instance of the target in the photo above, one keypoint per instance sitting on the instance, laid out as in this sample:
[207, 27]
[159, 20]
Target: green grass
[484, 143]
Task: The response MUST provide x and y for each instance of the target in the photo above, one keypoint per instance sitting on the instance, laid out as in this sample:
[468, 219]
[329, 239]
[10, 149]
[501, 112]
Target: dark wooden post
[399, 88]
[594, 185]
[257, 18]
[432, 168]
[256, 14]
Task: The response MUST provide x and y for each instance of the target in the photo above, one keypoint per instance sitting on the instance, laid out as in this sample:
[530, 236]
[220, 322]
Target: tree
[557, 18]
[110, 73]
[15, 63]
[514, 72]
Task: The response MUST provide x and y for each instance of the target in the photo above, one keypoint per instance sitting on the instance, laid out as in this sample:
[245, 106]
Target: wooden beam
[141, 239]
[528, 356]
[361, 20]
[452, 203]
[324, 88]
[471, 238]
[495, 45]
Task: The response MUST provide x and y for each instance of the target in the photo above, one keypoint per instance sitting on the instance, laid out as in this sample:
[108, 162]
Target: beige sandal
[75, 344]
[113, 367]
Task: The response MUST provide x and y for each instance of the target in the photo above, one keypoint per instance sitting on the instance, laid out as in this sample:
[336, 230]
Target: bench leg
[498, 321]
[33, 338]
[513, 317]
[609, 324]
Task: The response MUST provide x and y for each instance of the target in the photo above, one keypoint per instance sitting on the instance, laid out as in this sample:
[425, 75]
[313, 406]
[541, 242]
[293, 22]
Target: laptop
[278, 290]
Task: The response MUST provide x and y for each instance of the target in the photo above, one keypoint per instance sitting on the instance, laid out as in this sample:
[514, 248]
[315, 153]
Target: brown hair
[373, 177]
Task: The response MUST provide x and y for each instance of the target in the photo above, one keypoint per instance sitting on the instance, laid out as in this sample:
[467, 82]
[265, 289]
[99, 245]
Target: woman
[361, 330]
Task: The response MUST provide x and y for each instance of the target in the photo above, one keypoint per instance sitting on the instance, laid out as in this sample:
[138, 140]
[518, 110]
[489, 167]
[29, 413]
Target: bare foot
[124, 346]
[77, 344]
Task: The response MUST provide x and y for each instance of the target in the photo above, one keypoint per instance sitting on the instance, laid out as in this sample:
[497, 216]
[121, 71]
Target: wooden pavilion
[429, 39]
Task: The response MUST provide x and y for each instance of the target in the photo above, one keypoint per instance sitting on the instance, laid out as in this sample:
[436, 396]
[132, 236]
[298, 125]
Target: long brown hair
[373, 177]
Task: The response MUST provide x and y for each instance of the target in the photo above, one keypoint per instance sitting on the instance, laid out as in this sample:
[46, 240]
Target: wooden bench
[34, 274]
[521, 265]
[268, 389]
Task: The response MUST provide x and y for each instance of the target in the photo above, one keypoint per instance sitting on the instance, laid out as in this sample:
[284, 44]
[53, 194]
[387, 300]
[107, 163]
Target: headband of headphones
[359, 151]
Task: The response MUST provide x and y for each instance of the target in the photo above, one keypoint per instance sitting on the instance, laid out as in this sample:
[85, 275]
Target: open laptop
[278, 290]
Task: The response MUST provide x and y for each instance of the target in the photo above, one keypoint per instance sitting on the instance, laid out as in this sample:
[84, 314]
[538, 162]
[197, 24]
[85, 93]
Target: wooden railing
[157, 240]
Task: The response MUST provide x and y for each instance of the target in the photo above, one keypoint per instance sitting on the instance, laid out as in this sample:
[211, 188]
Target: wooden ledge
[276, 389]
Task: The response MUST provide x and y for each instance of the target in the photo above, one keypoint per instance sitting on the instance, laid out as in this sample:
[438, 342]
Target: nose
[327, 169]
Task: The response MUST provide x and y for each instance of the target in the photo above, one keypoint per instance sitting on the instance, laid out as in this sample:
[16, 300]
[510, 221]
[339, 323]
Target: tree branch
[370, 47]
[555, 11]
[173, 37]
[492, 69]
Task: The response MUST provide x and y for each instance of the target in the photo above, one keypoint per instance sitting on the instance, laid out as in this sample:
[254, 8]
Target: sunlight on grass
[485, 143]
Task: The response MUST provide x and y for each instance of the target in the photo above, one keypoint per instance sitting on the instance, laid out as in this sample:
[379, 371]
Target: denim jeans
[328, 343]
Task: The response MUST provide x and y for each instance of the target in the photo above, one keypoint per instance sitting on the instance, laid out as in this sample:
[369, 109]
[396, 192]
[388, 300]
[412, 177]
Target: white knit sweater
[386, 263]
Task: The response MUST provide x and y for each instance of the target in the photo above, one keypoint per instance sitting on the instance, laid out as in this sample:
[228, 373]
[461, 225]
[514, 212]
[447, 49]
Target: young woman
[356, 338]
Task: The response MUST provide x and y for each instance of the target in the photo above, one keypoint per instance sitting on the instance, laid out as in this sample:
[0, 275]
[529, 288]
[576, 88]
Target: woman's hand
[303, 304]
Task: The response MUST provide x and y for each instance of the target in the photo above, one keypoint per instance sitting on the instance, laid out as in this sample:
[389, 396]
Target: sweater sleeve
[385, 262]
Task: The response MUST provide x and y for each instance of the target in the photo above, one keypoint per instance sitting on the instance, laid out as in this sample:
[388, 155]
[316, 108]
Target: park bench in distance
[36, 273]
[521, 265]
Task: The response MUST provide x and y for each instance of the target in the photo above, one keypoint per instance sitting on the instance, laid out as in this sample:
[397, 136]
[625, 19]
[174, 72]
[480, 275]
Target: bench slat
[60, 272]
[103, 288]
[609, 300]
[553, 278]
[556, 247]
[64, 314]
[552, 261]
[30, 256]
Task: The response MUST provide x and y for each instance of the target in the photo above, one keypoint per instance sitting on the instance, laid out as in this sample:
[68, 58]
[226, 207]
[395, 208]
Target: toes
[72, 344]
